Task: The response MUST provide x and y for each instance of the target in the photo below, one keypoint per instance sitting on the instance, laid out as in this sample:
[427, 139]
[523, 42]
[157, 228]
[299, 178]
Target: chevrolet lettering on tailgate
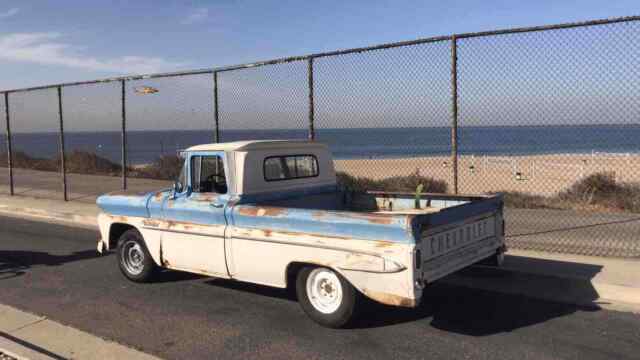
[449, 240]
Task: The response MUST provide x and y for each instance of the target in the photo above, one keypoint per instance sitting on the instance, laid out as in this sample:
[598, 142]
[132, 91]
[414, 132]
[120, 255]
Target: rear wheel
[327, 297]
[134, 259]
[495, 260]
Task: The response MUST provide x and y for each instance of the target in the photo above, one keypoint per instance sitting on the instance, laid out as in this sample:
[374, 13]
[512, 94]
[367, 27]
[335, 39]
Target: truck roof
[255, 145]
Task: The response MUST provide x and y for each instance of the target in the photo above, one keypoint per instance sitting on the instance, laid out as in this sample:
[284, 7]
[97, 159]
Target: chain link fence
[549, 118]
[386, 115]
[92, 139]
[4, 149]
[547, 115]
[266, 102]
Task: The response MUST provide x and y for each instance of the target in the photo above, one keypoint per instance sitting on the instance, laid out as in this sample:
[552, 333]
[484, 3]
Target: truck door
[193, 235]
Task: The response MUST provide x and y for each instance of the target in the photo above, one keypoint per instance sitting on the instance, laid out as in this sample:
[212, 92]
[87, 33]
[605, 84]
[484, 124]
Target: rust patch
[151, 223]
[119, 218]
[205, 197]
[158, 195]
[318, 214]
[384, 244]
[291, 233]
[262, 211]
[267, 233]
[390, 299]
[248, 211]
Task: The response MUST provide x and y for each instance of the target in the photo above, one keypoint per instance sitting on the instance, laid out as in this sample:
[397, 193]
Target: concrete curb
[48, 215]
[550, 277]
[566, 290]
[28, 336]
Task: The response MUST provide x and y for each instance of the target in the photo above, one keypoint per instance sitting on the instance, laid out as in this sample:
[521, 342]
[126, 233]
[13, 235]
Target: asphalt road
[54, 271]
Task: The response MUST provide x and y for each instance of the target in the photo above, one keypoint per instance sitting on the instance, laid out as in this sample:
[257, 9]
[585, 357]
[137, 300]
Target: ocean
[145, 146]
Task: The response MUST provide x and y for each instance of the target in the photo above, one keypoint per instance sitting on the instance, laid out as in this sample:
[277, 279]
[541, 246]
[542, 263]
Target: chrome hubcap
[324, 290]
[133, 257]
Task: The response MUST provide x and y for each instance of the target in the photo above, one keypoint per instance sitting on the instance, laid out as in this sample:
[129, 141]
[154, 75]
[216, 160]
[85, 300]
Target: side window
[290, 167]
[207, 174]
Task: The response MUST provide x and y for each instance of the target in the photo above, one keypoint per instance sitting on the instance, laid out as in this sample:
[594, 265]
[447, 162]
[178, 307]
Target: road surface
[54, 271]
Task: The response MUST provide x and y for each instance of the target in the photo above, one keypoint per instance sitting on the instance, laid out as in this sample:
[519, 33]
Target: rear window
[290, 167]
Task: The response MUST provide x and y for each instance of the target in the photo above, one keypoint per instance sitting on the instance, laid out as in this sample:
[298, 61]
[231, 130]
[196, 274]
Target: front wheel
[327, 297]
[133, 257]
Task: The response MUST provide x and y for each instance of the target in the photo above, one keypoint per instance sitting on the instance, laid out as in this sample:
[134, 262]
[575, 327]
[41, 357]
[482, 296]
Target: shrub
[602, 190]
[81, 162]
[407, 183]
[522, 200]
[23, 161]
[596, 191]
[166, 167]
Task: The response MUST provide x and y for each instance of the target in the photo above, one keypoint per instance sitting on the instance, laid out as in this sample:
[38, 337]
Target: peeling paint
[390, 299]
[151, 223]
[261, 211]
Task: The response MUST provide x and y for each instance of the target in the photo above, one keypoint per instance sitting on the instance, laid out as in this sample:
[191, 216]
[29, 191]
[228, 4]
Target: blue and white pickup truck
[271, 213]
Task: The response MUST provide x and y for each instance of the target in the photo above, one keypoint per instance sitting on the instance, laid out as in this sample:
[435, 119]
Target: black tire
[495, 260]
[131, 244]
[344, 313]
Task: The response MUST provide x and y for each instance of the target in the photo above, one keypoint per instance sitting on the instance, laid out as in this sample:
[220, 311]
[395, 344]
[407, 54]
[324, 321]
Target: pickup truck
[272, 213]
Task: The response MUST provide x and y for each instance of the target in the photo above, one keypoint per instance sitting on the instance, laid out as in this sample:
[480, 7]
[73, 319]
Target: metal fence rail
[547, 114]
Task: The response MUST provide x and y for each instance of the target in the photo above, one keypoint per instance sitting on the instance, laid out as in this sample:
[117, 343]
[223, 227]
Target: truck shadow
[480, 301]
[477, 301]
[468, 311]
[14, 263]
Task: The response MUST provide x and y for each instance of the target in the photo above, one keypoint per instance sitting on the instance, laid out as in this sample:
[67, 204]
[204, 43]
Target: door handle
[217, 205]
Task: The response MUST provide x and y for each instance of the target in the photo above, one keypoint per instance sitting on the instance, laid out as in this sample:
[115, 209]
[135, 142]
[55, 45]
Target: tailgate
[450, 247]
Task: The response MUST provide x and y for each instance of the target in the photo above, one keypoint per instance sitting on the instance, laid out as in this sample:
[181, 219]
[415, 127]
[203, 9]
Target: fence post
[216, 135]
[63, 165]
[9, 149]
[123, 135]
[312, 131]
[454, 111]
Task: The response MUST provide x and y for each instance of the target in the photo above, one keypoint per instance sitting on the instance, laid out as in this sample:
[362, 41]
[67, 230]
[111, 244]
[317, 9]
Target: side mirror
[177, 188]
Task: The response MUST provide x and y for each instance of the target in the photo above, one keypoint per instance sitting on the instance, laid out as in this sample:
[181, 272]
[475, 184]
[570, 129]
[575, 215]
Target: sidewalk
[28, 336]
[579, 280]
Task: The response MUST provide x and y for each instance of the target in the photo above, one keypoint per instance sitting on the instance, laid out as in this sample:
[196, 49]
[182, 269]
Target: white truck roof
[256, 145]
[246, 160]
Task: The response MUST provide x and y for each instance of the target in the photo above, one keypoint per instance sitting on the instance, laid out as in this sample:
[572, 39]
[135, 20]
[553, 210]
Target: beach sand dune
[535, 174]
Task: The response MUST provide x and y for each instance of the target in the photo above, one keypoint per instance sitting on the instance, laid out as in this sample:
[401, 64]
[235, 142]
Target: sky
[45, 42]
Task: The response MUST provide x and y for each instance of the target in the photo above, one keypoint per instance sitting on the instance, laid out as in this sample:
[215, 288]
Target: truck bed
[381, 216]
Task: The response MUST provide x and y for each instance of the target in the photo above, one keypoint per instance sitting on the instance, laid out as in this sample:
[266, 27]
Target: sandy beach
[535, 174]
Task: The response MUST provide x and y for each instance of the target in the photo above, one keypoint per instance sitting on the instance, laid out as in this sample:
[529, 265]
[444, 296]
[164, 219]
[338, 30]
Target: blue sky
[43, 42]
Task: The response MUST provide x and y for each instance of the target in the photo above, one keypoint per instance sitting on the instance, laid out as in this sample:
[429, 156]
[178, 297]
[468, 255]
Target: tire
[495, 260]
[327, 297]
[134, 259]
